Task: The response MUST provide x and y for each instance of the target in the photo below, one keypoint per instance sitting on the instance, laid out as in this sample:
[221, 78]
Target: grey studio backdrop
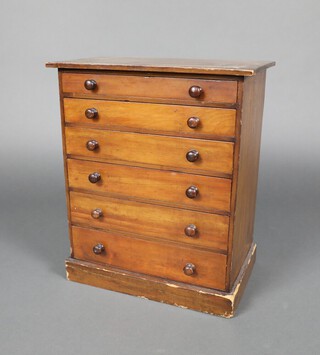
[42, 313]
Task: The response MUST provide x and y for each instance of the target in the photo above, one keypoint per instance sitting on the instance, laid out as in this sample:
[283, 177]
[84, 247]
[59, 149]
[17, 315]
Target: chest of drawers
[161, 165]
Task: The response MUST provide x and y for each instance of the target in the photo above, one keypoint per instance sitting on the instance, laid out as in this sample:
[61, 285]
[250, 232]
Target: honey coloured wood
[149, 88]
[195, 228]
[161, 162]
[248, 167]
[167, 65]
[183, 295]
[151, 185]
[170, 153]
[174, 120]
[150, 257]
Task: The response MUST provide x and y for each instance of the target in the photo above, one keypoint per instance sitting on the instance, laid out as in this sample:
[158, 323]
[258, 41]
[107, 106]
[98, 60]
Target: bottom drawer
[150, 257]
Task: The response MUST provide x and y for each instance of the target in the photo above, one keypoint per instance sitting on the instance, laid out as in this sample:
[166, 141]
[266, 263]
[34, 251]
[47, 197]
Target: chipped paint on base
[172, 285]
[231, 297]
[180, 306]
[233, 294]
[145, 298]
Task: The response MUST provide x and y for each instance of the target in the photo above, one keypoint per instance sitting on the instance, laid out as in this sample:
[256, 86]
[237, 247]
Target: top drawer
[149, 88]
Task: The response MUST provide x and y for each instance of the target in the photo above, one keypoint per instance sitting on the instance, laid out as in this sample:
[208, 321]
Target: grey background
[42, 313]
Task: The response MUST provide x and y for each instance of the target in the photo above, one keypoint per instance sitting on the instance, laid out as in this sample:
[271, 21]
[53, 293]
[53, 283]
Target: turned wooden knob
[92, 145]
[192, 155]
[191, 230]
[91, 113]
[98, 249]
[193, 122]
[97, 213]
[195, 91]
[192, 192]
[90, 84]
[189, 269]
[94, 177]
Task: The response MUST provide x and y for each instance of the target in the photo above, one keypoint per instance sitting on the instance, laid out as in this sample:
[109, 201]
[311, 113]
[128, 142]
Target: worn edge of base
[162, 290]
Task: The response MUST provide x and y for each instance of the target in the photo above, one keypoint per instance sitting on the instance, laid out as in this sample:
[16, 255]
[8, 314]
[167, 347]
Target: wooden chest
[161, 164]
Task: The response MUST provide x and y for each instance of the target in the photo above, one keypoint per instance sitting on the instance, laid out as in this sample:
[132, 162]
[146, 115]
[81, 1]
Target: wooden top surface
[194, 66]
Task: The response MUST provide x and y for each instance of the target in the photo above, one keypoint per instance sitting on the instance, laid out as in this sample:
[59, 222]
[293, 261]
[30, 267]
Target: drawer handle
[193, 122]
[90, 84]
[191, 231]
[189, 269]
[92, 145]
[192, 192]
[91, 113]
[195, 91]
[97, 213]
[98, 249]
[193, 155]
[94, 177]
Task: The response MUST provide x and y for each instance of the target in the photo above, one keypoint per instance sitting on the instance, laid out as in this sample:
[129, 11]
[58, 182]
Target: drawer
[178, 225]
[150, 257]
[149, 88]
[214, 158]
[173, 120]
[151, 185]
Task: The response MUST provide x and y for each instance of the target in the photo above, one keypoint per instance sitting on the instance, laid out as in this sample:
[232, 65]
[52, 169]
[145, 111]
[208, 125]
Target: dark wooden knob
[192, 155]
[92, 145]
[192, 192]
[98, 249]
[97, 213]
[193, 122]
[90, 84]
[94, 177]
[195, 91]
[189, 269]
[191, 230]
[91, 113]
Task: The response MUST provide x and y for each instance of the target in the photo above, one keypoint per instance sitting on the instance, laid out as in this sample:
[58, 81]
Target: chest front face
[161, 173]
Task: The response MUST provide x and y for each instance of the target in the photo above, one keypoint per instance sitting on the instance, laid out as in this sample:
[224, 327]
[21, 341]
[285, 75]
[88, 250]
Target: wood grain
[64, 150]
[241, 233]
[167, 65]
[215, 123]
[150, 220]
[137, 243]
[150, 257]
[136, 149]
[136, 88]
[153, 186]
[154, 288]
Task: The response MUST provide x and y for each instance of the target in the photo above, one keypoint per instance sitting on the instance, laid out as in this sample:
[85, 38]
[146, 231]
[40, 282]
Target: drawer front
[150, 185]
[189, 121]
[149, 88]
[182, 226]
[215, 158]
[150, 257]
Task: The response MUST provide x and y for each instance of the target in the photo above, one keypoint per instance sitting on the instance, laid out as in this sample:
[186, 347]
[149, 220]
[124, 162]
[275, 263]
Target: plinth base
[154, 288]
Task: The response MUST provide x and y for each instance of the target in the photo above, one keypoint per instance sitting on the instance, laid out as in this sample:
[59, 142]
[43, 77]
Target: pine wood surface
[141, 126]
[215, 158]
[215, 123]
[183, 295]
[151, 257]
[139, 88]
[151, 185]
[167, 65]
[241, 233]
[143, 219]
